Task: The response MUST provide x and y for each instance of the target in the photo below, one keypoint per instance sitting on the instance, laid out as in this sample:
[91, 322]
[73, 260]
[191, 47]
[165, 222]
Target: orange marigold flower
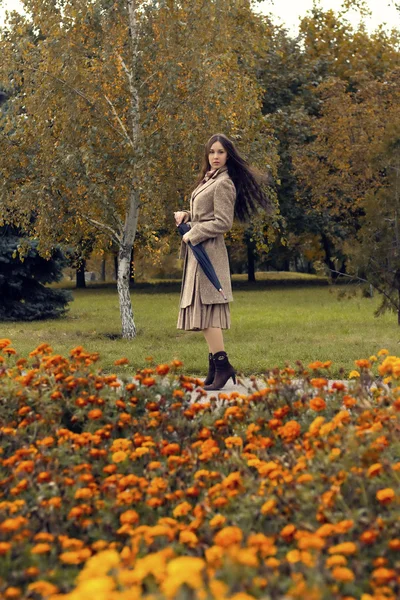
[336, 560]
[338, 385]
[343, 574]
[83, 494]
[362, 363]
[383, 352]
[182, 509]
[383, 576]
[307, 541]
[170, 449]
[217, 521]
[349, 402]
[162, 369]
[344, 548]
[293, 556]
[9, 351]
[75, 557]
[41, 548]
[268, 506]
[148, 381]
[4, 342]
[385, 495]
[94, 414]
[189, 538]
[305, 478]
[231, 442]
[228, 536]
[317, 404]
[43, 588]
[368, 537]
[394, 544]
[288, 532]
[375, 469]
[290, 431]
[12, 592]
[129, 517]
[121, 361]
[4, 548]
[319, 382]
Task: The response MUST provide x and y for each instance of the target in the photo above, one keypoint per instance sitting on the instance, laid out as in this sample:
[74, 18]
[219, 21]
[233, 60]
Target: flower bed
[120, 491]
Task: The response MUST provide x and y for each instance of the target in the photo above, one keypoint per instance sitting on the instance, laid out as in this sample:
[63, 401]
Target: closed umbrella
[203, 259]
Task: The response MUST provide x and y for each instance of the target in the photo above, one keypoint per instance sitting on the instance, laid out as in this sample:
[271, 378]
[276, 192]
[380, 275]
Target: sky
[288, 12]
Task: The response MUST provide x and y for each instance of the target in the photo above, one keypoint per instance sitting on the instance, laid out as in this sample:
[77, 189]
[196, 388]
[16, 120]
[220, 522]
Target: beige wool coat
[211, 215]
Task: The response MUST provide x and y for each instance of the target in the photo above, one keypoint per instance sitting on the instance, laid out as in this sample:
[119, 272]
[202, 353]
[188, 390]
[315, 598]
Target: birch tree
[102, 98]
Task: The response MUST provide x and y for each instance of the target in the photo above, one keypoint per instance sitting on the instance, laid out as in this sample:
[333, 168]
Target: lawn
[271, 323]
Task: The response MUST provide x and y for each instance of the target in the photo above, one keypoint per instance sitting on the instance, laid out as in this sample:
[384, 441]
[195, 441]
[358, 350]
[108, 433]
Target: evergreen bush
[23, 292]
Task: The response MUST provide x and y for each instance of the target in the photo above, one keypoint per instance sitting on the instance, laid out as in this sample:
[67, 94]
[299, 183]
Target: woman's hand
[180, 217]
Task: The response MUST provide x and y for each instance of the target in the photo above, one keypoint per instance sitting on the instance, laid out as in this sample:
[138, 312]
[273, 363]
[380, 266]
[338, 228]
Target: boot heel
[234, 379]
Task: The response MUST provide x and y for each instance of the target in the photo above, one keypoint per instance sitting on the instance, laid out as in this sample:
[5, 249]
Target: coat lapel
[201, 188]
[205, 185]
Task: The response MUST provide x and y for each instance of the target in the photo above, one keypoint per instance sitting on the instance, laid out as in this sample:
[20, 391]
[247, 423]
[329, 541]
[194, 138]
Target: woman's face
[217, 156]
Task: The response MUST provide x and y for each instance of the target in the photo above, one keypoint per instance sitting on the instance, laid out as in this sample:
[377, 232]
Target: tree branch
[102, 226]
[119, 121]
[78, 93]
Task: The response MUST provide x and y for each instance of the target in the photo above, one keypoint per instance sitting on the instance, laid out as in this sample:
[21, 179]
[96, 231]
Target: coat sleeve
[224, 206]
[188, 217]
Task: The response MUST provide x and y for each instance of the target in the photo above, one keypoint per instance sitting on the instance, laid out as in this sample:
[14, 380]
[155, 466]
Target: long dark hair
[248, 181]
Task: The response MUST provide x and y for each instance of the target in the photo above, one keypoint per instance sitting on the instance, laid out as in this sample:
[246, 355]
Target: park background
[120, 477]
[317, 107]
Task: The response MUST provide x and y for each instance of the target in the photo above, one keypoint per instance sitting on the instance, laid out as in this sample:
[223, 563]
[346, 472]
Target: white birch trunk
[131, 220]
[124, 263]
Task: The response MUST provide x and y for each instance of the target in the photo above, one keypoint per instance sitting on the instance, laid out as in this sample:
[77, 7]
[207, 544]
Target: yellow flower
[182, 509]
[189, 538]
[97, 587]
[293, 556]
[183, 570]
[383, 352]
[354, 374]
[100, 564]
[119, 456]
[228, 536]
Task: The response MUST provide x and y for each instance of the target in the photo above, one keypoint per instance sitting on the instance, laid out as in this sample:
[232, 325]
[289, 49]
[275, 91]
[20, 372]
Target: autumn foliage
[119, 489]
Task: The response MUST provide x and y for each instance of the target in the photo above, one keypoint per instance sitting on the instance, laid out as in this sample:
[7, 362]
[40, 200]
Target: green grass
[271, 324]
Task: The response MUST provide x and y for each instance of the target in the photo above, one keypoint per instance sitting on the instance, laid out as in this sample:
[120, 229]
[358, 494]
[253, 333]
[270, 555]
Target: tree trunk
[80, 275]
[132, 268]
[132, 215]
[398, 309]
[251, 272]
[116, 267]
[103, 269]
[328, 256]
[124, 263]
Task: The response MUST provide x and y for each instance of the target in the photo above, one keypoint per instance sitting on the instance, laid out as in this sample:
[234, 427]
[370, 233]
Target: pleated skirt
[200, 316]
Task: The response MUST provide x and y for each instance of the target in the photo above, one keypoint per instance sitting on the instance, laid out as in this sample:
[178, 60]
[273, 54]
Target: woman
[227, 187]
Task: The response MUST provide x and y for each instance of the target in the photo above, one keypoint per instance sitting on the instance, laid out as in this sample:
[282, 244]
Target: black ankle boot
[211, 370]
[223, 371]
